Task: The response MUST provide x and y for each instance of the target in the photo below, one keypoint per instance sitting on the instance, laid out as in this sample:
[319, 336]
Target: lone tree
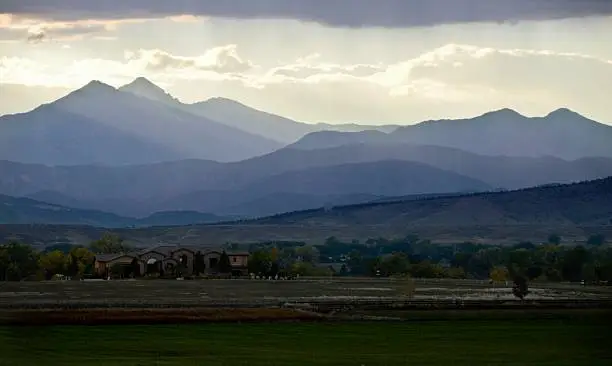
[554, 239]
[109, 243]
[224, 263]
[135, 268]
[519, 288]
[73, 266]
[596, 240]
[117, 270]
[199, 265]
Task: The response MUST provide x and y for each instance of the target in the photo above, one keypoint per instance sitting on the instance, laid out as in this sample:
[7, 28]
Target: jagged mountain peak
[143, 87]
[96, 86]
[563, 112]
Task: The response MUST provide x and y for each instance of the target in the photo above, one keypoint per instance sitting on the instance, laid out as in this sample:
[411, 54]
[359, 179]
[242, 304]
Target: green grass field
[503, 342]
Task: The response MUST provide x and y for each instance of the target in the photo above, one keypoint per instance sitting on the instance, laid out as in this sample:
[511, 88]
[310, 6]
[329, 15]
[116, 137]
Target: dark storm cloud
[340, 13]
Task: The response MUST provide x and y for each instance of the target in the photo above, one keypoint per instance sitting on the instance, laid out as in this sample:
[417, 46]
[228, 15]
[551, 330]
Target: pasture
[477, 342]
[210, 292]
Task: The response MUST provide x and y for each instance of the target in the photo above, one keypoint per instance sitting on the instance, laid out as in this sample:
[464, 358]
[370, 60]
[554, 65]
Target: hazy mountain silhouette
[143, 87]
[213, 187]
[240, 116]
[243, 117]
[572, 211]
[562, 133]
[496, 171]
[584, 203]
[328, 139]
[18, 210]
[99, 124]
[380, 178]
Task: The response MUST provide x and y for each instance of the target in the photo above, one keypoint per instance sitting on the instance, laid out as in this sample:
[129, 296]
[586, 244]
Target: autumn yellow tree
[52, 263]
[84, 260]
[499, 274]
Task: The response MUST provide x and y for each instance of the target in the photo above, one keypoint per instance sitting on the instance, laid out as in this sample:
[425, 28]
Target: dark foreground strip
[48, 317]
[150, 316]
[318, 304]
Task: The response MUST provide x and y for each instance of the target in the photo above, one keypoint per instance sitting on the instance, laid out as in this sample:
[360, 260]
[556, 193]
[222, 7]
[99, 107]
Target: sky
[335, 61]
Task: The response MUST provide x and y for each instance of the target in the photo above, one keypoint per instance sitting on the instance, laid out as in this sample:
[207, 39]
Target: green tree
[260, 262]
[135, 268]
[84, 258]
[308, 253]
[199, 265]
[72, 268]
[225, 266]
[394, 264]
[109, 244]
[17, 261]
[596, 240]
[520, 288]
[554, 239]
[573, 262]
[356, 263]
[52, 263]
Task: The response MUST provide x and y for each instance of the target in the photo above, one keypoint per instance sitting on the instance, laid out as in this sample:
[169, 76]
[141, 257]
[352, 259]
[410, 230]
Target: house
[165, 258]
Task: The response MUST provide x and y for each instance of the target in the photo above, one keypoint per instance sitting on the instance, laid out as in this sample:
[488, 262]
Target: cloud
[310, 67]
[455, 79]
[223, 60]
[216, 64]
[37, 30]
[338, 13]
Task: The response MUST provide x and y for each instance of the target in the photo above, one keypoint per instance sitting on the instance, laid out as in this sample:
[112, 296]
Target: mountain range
[288, 179]
[562, 133]
[235, 114]
[573, 211]
[137, 150]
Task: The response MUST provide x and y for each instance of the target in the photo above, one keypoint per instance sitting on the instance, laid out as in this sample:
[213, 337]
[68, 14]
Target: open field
[555, 342]
[243, 292]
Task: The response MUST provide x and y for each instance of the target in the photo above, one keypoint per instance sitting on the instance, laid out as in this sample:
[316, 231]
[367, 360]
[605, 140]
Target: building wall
[208, 256]
[144, 258]
[239, 260]
[176, 255]
[102, 268]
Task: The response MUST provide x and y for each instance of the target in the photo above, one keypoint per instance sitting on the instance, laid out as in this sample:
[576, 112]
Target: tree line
[550, 261]
[380, 257]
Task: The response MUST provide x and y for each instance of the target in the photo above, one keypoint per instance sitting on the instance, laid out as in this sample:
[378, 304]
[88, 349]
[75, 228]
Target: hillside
[236, 188]
[16, 210]
[381, 178]
[573, 211]
[27, 211]
[584, 203]
[81, 128]
[330, 185]
[496, 171]
[562, 133]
